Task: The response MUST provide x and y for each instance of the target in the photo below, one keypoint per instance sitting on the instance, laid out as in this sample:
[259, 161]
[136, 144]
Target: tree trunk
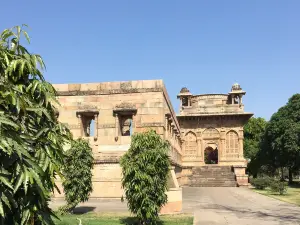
[290, 176]
[282, 176]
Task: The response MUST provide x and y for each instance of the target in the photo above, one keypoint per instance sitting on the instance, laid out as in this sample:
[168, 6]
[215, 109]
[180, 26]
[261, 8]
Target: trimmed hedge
[279, 186]
[261, 183]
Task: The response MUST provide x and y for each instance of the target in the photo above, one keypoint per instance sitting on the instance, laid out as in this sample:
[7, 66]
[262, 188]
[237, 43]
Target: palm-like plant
[31, 138]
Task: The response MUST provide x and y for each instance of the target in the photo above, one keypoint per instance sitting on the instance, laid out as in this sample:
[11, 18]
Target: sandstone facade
[108, 113]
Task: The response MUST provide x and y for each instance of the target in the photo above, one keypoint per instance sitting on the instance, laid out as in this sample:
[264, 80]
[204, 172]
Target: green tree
[145, 169]
[253, 133]
[31, 138]
[77, 173]
[282, 137]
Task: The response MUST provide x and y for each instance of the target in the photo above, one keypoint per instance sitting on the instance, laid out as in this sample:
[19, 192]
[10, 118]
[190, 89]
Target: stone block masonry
[108, 113]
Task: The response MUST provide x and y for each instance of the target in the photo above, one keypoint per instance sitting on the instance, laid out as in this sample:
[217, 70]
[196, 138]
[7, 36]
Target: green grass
[115, 219]
[292, 195]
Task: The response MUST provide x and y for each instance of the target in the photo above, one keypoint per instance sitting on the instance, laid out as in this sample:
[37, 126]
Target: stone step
[214, 185]
[212, 176]
[212, 180]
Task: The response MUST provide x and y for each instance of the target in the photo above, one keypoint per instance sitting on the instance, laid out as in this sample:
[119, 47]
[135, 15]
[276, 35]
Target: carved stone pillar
[202, 148]
[96, 127]
[117, 125]
[166, 127]
[133, 123]
[199, 147]
[222, 145]
[180, 104]
[80, 124]
[241, 147]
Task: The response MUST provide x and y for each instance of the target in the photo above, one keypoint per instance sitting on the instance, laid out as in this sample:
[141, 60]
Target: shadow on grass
[134, 221]
[83, 209]
[295, 184]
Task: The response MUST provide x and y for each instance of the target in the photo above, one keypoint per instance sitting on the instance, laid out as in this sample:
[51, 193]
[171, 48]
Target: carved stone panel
[211, 133]
[190, 149]
[232, 144]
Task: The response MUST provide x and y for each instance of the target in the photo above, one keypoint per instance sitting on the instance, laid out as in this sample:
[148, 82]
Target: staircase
[212, 176]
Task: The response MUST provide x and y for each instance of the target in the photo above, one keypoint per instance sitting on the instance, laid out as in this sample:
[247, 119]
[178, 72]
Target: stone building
[211, 126]
[108, 113]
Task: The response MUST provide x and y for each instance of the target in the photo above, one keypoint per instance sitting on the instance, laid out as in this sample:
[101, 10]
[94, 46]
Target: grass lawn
[114, 219]
[292, 195]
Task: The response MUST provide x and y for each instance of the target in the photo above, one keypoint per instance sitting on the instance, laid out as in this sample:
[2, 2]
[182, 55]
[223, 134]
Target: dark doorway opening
[211, 155]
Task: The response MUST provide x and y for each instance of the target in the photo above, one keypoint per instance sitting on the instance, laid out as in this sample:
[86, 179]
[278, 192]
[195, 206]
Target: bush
[145, 169]
[261, 183]
[279, 187]
[78, 174]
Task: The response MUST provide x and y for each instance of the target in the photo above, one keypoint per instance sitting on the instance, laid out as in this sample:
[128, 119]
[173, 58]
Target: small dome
[184, 90]
[236, 87]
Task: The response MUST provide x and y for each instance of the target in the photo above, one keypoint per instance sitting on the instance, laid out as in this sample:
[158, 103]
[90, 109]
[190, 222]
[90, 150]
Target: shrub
[78, 174]
[145, 169]
[279, 187]
[261, 183]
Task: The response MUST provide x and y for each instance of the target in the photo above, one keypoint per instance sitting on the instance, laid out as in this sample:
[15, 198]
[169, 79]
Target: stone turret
[236, 94]
[185, 98]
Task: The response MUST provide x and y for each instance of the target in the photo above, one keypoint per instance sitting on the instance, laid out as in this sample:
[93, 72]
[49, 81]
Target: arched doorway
[211, 155]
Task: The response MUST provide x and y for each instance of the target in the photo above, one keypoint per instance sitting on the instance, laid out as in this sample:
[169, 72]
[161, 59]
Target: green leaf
[6, 182]
[26, 36]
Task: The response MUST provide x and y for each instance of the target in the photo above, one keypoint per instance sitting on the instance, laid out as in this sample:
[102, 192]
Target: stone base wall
[241, 176]
[174, 201]
[107, 184]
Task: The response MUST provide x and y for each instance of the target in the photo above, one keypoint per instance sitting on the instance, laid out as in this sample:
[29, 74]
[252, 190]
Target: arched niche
[190, 145]
[210, 133]
[232, 142]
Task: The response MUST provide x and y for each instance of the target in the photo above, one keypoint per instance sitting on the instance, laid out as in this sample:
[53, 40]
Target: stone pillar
[80, 124]
[241, 147]
[232, 99]
[202, 148]
[223, 145]
[133, 123]
[166, 127]
[180, 104]
[96, 127]
[199, 152]
[117, 125]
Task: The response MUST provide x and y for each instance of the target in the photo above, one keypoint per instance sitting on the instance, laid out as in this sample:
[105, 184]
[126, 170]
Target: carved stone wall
[223, 133]
[146, 103]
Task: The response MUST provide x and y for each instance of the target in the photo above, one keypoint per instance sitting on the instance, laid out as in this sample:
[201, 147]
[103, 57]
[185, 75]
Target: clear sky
[203, 45]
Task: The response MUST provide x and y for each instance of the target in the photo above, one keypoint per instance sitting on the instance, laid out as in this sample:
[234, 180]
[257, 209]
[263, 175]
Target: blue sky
[203, 45]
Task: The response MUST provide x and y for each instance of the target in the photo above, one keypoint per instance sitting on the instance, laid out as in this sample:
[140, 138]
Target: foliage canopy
[145, 169]
[31, 138]
[280, 145]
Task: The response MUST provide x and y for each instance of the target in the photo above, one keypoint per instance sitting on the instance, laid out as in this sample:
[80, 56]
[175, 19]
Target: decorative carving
[125, 105]
[73, 126]
[151, 125]
[190, 149]
[232, 143]
[184, 90]
[236, 87]
[211, 133]
[87, 107]
[126, 85]
[102, 126]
